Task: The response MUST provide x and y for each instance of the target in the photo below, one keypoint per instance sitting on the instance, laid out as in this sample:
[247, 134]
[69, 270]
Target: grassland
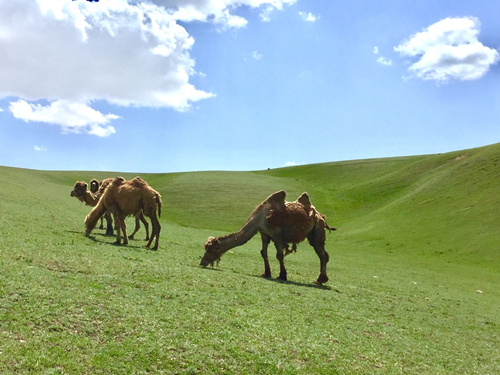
[414, 275]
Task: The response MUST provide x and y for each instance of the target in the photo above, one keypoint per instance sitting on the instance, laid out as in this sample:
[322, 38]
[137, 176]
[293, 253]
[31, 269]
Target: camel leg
[155, 232]
[102, 223]
[118, 230]
[124, 229]
[317, 240]
[109, 223]
[137, 226]
[146, 225]
[265, 243]
[280, 256]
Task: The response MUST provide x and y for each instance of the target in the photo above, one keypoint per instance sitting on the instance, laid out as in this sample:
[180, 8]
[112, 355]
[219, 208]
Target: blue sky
[191, 85]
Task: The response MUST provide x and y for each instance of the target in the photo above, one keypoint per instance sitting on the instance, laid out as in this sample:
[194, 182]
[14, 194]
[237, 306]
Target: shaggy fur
[124, 198]
[92, 198]
[283, 223]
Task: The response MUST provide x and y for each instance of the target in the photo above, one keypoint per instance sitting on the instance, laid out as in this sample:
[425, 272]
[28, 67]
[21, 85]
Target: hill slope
[413, 288]
[444, 205]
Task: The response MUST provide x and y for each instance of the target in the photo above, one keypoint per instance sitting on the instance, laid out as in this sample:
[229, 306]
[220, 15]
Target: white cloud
[383, 61]
[220, 12]
[291, 164]
[72, 117]
[40, 148]
[308, 17]
[256, 55]
[125, 52]
[448, 50]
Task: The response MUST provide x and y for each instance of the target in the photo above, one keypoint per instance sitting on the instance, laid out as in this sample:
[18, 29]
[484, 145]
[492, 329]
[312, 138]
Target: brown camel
[124, 198]
[91, 198]
[282, 222]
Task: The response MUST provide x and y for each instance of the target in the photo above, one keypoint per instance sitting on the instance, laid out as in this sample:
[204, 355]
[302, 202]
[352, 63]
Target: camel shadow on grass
[128, 246]
[279, 281]
[296, 283]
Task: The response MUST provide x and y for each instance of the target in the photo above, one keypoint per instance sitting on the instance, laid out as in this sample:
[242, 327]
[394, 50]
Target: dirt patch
[460, 157]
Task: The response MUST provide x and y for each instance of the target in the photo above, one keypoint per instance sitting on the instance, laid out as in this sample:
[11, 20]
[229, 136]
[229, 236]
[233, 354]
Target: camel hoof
[266, 276]
[321, 279]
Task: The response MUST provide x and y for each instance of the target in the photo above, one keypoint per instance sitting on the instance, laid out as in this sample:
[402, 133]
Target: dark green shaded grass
[398, 301]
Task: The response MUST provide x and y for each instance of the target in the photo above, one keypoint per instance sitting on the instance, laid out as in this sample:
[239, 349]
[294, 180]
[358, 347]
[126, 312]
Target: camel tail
[329, 227]
[158, 201]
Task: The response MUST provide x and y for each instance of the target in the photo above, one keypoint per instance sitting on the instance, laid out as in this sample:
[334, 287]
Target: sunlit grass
[413, 276]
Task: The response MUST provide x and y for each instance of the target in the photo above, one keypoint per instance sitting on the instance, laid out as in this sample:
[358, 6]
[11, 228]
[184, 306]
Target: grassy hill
[414, 274]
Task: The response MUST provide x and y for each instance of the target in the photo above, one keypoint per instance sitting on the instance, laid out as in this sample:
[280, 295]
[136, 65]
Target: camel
[91, 198]
[124, 198]
[283, 223]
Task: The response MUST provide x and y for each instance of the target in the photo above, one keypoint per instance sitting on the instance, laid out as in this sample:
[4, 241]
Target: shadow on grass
[128, 246]
[295, 283]
[306, 285]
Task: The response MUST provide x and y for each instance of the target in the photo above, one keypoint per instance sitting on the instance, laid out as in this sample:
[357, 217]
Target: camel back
[295, 221]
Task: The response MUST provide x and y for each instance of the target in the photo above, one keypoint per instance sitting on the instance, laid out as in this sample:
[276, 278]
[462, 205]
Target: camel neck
[238, 238]
[90, 199]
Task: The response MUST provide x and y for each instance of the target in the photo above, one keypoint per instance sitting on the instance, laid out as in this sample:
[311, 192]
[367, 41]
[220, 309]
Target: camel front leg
[109, 223]
[265, 243]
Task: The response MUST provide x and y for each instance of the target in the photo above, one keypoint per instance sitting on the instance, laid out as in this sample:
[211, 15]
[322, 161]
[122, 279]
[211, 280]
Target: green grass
[414, 275]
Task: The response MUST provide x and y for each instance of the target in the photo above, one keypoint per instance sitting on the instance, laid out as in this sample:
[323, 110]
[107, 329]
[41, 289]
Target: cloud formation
[382, 60]
[72, 117]
[128, 53]
[308, 16]
[449, 50]
[256, 55]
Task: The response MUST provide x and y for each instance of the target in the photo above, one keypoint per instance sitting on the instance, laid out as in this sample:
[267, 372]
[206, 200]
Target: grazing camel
[124, 198]
[282, 222]
[91, 198]
[96, 187]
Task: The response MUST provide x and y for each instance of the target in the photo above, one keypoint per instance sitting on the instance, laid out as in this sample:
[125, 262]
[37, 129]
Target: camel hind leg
[317, 239]
[155, 232]
[265, 243]
[138, 226]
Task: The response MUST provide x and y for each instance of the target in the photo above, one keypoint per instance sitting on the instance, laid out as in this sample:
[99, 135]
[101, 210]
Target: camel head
[79, 190]
[94, 186]
[213, 252]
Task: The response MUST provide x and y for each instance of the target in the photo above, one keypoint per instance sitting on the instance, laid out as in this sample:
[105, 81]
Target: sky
[164, 86]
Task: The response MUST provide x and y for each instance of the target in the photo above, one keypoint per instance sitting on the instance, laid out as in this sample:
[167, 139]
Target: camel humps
[283, 223]
[123, 198]
[91, 198]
